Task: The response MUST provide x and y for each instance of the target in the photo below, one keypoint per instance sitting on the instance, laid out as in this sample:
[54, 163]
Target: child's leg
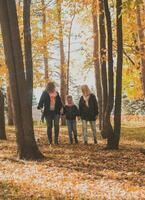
[84, 130]
[93, 127]
[56, 128]
[69, 125]
[49, 128]
[75, 131]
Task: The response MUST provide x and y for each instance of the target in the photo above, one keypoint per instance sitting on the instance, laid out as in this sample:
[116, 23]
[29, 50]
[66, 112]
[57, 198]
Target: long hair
[50, 87]
[85, 90]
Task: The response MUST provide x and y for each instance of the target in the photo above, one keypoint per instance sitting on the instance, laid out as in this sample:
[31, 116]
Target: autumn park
[72, 99]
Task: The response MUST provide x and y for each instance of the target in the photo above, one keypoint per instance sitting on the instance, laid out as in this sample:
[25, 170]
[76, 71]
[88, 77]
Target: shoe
[76, 142]
[86, 143]
[56, 143]
[49, 143]
[95, 141]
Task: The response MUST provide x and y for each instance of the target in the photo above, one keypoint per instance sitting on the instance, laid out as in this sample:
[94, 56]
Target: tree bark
[27, 147]
[45, 50]
[69, 53]
[118, 98]
[10, 107]
[108, 129]
[2, 117]
[103, 61]
[28, 52]
[96, 60]
[141, 44]
[63, 66]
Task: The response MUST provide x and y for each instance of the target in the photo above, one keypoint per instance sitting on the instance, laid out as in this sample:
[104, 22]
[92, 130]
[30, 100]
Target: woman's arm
[95, 105]
[41, 101]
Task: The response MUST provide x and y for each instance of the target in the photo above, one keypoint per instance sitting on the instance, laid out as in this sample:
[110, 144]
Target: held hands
[61, 111]
[78, 118]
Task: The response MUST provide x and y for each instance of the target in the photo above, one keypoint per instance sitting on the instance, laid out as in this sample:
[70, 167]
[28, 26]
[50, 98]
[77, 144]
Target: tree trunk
[63, 66]
[96, 60]
[103, 61]
[118, 98]
[10, 107]
[108, 129]
[2, 117]
[27, 147]
[45, 50]
[28, 52]
[69, 52]
[141, 44]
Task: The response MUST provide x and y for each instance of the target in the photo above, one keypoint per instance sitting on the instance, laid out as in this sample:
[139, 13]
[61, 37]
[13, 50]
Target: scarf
[52, 100]
[86, 99]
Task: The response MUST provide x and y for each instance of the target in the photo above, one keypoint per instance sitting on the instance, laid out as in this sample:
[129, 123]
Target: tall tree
[28, 51]
[69, 48]
[10, 107]
[2, 117]
[108, 129]
[141, 42]
[45, 49]
[96, 58]
[118, 97]
[103, 60]
[27, 147]
[63, 66]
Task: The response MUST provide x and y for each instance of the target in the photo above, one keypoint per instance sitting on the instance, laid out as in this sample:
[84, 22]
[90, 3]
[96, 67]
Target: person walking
[52, 104]
[88, 108]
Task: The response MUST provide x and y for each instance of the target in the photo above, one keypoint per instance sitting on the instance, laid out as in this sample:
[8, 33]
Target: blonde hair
[50, 87]
[85, 90]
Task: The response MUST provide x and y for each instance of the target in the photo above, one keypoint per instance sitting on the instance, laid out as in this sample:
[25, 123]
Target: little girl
[71, 112]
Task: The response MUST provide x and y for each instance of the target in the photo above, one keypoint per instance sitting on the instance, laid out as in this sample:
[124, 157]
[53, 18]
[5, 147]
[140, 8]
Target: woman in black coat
[88, 108]
[52, 104]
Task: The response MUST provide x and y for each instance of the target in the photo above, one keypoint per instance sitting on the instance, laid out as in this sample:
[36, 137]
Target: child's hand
[61, 111]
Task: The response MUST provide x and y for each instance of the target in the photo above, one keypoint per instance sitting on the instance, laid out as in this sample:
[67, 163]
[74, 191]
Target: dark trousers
[53, 120]
[72, 130]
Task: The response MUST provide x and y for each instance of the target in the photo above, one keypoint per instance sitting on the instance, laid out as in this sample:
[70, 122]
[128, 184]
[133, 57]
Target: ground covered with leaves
[75, 171]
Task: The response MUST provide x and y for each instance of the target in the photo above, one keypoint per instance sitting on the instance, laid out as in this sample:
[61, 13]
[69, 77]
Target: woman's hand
[61, 111]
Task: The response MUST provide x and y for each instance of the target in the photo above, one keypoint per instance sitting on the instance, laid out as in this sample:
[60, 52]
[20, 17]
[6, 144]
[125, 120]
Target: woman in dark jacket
[88, 107]
[52, 104]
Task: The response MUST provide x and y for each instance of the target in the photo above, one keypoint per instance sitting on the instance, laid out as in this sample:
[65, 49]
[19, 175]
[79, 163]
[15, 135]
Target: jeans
[53, 120]
[72, 130]
[85, 130]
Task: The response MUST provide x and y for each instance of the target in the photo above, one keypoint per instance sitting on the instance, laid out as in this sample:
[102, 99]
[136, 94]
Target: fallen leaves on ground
[72, 171]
